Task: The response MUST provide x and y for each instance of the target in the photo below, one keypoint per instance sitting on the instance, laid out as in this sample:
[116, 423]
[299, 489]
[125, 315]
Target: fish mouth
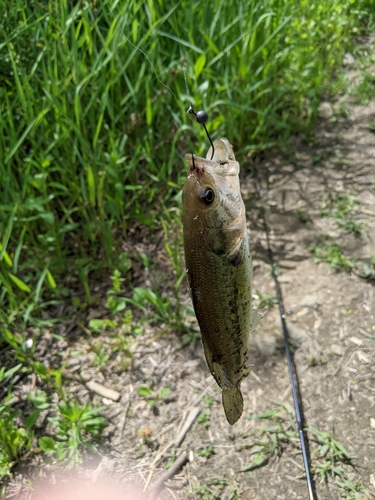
[223, 153]
[223, 162]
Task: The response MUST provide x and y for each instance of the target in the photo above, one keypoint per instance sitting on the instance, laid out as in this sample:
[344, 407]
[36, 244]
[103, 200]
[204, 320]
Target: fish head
[212, 189]
[212, 202]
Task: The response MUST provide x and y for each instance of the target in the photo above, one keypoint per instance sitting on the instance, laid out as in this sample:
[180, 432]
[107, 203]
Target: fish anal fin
[233, 404]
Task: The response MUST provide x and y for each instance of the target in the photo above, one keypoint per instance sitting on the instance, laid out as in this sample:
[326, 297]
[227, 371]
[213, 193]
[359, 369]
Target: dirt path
[331, 318]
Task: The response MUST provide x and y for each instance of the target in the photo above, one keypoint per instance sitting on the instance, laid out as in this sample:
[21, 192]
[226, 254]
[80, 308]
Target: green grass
[330, 461]
[93, 120]
[342, 209]
[325, 251]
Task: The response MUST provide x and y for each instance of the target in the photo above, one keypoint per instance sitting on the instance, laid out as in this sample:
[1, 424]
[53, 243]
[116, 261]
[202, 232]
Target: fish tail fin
[233, 404]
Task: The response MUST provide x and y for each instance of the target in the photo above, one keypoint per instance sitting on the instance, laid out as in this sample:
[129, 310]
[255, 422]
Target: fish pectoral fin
[247, 369]
[256, 318]
[233, 404]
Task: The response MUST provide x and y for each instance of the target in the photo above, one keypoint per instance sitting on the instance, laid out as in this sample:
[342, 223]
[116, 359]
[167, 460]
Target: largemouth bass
[219, 268]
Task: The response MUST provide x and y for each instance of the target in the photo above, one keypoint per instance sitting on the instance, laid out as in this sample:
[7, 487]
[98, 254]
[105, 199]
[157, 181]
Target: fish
[219, 268]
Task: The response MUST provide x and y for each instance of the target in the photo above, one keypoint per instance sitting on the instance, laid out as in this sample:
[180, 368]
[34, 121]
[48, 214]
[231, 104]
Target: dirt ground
[331, 320]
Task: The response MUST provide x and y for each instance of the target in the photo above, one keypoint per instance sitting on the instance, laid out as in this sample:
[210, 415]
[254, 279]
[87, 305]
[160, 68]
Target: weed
[100, 325]
[208, 400]
[276, 271]
[363, 91]
[264, 300]
[341, 208]
[77, 427]
[303, 216]
[353, 490]
[330, 454]
[316, 360]
[272, 440]
[115, 303]
[101, 358]
[330, 253]
[205, 493]
[342, 112]
[206, 452]
[204, 418]
[162, 308]
[366, 269]
[14, 440]
[152, 397]
[213, 490]
[329, 458]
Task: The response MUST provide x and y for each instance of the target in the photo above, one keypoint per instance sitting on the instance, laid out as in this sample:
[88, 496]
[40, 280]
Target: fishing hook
[192, 159]
[201, 118]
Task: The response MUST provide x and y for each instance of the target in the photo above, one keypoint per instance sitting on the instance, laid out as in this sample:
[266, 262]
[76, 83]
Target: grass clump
[325, 251]
[93, 113]
[329, 459]
[341, 209]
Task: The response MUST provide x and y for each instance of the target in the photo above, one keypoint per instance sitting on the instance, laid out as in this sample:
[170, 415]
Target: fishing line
[146, 56]
[201, 116]
[292, 374]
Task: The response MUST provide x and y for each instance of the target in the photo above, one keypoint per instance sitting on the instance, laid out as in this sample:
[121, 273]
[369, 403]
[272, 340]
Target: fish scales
[219, 268]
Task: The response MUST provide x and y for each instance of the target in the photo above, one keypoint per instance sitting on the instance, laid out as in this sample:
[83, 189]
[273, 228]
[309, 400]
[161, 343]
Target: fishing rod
[292, 375]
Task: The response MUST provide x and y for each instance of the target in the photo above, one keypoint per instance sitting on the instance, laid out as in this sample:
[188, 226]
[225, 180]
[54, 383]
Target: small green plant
[204, 492]
[115, 303]
[100, 325]
[204, 418]
[270, 440]
[303, 217]
[101, 358]
[329, 454]
[214, 489]
[152, 397]
[208, 400]
[14, 440]
[341, 208]
[163, 309]
[353, 490]
[366, 269]
[324, 251]
[264, 300]
[363, 90]
[316, 360]
[276, 271]
[341, 112]
[77, 428]
[206, 452]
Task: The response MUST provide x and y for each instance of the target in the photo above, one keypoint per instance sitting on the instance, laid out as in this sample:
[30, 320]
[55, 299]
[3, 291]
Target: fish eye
[206, 196]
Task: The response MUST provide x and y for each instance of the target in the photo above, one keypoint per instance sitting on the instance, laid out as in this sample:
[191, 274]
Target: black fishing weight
[202, 118]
